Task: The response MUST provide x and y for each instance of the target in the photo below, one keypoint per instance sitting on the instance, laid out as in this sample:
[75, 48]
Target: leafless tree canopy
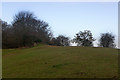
[107, 40]
[25, 30]
[84, 38]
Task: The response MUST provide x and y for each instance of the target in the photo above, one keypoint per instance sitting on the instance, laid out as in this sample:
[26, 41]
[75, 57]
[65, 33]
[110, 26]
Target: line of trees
[26, 31]
[86, 39]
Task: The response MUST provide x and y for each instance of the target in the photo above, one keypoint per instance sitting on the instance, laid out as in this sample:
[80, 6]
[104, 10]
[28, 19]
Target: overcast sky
[70, 18]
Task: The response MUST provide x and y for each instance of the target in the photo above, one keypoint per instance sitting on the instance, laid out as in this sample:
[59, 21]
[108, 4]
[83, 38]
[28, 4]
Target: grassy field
[60, 62]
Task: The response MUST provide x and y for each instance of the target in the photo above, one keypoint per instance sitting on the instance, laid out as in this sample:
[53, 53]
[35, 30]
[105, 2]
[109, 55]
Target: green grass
[60, 62]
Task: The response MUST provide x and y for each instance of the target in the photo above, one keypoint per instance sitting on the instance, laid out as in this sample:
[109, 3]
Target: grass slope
[60, 62]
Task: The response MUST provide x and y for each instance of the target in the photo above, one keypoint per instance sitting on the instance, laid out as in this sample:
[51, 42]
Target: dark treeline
[27, 31]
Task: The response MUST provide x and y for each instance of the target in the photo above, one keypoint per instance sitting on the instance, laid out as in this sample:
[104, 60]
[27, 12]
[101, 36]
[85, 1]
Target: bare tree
[8, 38]
[84, 38]
[61, 40]
[107, 40]
[28, 29]
[25, 30]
